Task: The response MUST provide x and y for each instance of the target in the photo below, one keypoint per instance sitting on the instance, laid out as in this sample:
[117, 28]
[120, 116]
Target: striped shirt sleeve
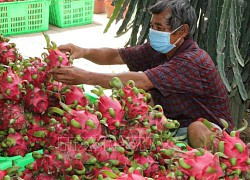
[179, 75]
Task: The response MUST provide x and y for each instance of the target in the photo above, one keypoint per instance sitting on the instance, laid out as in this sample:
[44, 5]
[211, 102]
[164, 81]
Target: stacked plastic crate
[68, 13]
[21, 17]
[30, 16]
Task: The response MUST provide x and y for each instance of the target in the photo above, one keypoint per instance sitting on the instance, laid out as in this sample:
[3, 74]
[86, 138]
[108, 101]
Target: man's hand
[76, 52]
[69, 75]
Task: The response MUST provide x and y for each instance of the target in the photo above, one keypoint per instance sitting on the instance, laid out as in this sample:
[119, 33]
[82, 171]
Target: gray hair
[182, 13]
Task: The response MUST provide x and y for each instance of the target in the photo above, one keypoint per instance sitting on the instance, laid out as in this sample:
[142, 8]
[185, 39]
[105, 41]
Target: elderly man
[180, 76]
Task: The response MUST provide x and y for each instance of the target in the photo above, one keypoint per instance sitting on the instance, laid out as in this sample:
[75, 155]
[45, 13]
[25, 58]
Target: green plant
[223, 30]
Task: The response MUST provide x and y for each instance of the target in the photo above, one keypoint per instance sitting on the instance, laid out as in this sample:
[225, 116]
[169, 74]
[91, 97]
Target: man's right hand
[76, 52]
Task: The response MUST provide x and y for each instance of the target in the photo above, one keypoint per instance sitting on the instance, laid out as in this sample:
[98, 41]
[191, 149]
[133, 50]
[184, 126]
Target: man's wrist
[85, 53]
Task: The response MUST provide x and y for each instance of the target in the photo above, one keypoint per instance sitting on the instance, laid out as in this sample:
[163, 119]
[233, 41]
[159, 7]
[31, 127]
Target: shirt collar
[186, 44]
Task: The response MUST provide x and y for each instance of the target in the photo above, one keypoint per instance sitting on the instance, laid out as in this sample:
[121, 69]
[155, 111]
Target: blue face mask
[160, 41]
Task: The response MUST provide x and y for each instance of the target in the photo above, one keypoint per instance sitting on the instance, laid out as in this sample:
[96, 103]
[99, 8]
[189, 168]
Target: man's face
[158, 23]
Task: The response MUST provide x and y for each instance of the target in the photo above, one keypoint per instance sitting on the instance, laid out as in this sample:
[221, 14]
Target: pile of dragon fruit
[119, 136]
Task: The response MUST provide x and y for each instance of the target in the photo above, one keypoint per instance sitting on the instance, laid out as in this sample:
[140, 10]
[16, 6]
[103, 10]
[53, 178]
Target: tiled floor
[90, 35]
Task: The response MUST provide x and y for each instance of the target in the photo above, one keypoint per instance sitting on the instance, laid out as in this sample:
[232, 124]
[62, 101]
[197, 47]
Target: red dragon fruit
[1, 103]
[200, 164]
[60, 162]
[8, 52]
[3, 173]
[170, 175]
[16, 145]
[44, 176]
[104, 172]
[35, 73]
[235, 150]
[59, 136]
[136, 105]
[137, 138]
[136, 175]
[37, 137]
[11, 85]
[51, 164]
[83, 123]
[38, 119]
[27, 175]
[135, 100]
[110, 151]
[36, 100]
[9, 172]
[110, 109]
[55, 57]
[150, 165]
[55, 87]
[75, 96]
[54, 92]
[73, 150]
[166, 149]
[159, 122]
[12, 116]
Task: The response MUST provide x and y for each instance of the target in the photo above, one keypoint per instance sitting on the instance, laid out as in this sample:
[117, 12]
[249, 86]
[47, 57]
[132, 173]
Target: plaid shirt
[187, 86]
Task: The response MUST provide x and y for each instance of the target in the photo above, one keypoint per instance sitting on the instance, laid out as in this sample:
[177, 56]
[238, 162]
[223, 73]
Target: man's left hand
[69, 75]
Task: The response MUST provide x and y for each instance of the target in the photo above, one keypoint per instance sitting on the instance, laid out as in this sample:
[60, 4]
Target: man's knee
[199, 135]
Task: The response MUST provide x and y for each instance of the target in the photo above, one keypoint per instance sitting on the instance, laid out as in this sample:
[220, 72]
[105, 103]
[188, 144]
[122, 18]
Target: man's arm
[140, 78]
[102, 56]
[73, 75]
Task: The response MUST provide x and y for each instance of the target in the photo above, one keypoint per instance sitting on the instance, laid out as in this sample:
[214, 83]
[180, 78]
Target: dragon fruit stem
[91, 160]
[47, 40]
[98, 114]
[80, 172]
[90, 123]
[167, 152]
[111, 112]
[233, 161]
[200, 152]
[11, 142]
[207, 124]
[12, 169]
[183, 164]
[56, 110]
[239, 147]
[244, 126]
[76, 124]
[130, 83]
[211, 170]
[221, 146]
[225, 123]
[116, 83]
[54, 45]
[37, 155]
[98, 91]
[39, 134]
[65, 107]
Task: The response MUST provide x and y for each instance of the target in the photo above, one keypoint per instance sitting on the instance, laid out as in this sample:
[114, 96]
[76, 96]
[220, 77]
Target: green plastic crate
[68, 13]
[91, 97]
[6, 162]
[13, 158]
[23, 162]
[23, 17]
